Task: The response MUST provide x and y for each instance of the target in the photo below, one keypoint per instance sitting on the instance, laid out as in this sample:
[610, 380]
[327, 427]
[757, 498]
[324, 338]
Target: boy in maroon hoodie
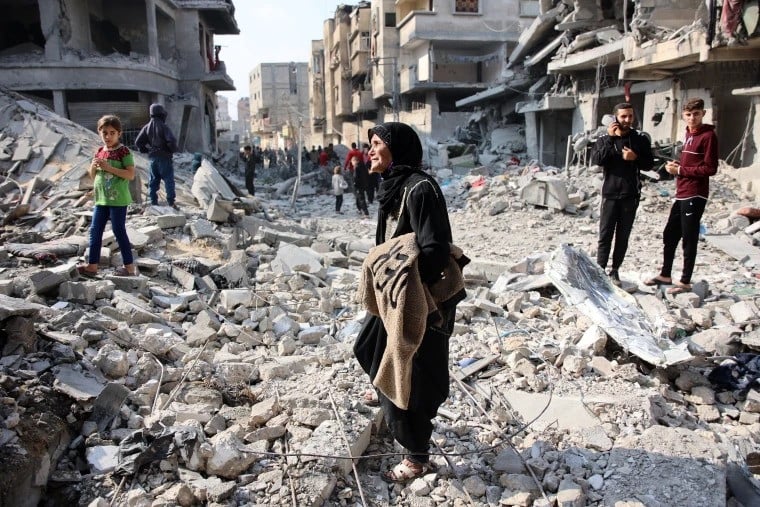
[699, 161]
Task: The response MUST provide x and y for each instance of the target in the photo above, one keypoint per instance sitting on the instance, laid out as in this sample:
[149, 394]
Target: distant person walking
[361, 182]
[623, 153]
[249, 160]
[698, 161]
[111, 171]
[339, 185]
[157, 140]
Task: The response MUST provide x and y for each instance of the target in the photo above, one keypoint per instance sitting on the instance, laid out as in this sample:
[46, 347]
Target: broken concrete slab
[80, 385]
[547, 192]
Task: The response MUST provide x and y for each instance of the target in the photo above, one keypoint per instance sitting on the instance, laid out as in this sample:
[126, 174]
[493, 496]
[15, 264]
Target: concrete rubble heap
[224, 375]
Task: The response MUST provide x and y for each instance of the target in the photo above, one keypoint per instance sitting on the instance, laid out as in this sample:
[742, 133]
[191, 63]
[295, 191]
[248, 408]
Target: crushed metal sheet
[585, 286]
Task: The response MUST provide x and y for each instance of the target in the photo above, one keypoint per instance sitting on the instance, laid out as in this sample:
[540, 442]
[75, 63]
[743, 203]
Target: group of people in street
[412, 281]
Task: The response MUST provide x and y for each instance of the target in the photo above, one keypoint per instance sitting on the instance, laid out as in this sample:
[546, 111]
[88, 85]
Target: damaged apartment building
[410, 61]
[577, 59]
[86, 58]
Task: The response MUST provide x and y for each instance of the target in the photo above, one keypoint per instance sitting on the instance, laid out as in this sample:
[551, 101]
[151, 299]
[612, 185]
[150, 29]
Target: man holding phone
[623, 152]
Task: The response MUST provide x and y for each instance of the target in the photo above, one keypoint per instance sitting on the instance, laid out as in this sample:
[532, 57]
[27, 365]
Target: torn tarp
[585, 286]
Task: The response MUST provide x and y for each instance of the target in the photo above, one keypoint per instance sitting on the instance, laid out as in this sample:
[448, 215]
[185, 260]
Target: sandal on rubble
[122, 271]
[657, 280]
[404, 471]
[83, 270]
[679, 288]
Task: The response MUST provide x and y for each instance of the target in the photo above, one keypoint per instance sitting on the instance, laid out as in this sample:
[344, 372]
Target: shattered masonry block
[202, 229]
[263, 411]
[77, 292]
[45, 281]
[197, 335]
[231, 298]
[313, 335]
[218, 211]
[237, 373]
[282, 367]
[171, 221]
[153, 232]
[184, 278]
[743, 311]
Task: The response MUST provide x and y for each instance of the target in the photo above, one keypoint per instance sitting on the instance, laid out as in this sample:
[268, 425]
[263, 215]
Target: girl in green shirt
[111, 170]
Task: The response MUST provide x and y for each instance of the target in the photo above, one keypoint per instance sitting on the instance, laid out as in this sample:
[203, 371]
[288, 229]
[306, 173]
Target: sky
[270, 31]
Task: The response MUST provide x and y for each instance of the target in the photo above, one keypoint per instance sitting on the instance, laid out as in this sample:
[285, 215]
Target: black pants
[412, 428]
[249, 174]
[616, 219]
[338, 202]
[683, 224]
[371, 189]
[361, 201]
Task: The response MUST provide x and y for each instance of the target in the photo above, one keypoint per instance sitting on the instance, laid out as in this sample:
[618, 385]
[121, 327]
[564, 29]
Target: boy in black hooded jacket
[157, 140]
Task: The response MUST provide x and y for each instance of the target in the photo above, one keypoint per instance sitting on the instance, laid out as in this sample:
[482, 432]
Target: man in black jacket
[623, 152]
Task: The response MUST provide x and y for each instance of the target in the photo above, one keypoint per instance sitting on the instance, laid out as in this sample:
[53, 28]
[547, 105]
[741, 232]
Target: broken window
[166, 35]
[293, 79]
[21, 27]
[119, 27]
[467, 6]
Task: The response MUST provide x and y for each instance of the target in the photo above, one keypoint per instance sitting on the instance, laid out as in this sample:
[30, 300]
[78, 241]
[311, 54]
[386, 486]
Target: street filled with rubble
[224, 373]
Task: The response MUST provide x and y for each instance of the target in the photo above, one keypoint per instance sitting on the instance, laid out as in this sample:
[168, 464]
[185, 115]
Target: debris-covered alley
[223, 375]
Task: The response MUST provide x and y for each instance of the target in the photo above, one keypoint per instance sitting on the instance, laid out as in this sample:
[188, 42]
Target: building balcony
[99, 74]
[217, 79]
[420, 27]
[409, 82]
[359, 63]
[362, 101]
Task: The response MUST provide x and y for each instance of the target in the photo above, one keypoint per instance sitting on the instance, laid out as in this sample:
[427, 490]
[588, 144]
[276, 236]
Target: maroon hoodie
[699, 161]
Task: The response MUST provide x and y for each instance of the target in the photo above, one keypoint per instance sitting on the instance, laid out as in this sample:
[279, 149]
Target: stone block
[135, 310]
[199, 334]
[282, 367]
[171, 221]
[237, 373]
[202, 229]
[218, 210]
[743, 311]
[291, 258]
[45, 281]
[77, 292]
[231, 298]
[312, 335]
[184, 278]
[328, 438]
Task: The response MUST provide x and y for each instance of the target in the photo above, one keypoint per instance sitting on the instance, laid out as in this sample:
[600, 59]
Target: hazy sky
[271, 31]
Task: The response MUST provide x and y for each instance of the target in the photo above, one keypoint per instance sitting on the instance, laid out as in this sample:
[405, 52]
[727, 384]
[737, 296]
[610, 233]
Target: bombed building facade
[87, 58]
[578, 59]
[463, 68]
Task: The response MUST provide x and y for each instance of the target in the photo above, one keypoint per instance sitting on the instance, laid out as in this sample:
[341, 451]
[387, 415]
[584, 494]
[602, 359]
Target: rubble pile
[224, 374]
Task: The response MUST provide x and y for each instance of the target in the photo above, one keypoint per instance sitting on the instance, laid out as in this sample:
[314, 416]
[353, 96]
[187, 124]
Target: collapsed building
[84, 59]
[583, 57]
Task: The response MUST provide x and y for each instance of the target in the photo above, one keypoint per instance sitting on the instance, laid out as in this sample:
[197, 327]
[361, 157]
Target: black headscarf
[406, 159]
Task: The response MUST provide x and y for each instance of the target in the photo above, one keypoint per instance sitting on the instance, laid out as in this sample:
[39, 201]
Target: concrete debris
[190, 381]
